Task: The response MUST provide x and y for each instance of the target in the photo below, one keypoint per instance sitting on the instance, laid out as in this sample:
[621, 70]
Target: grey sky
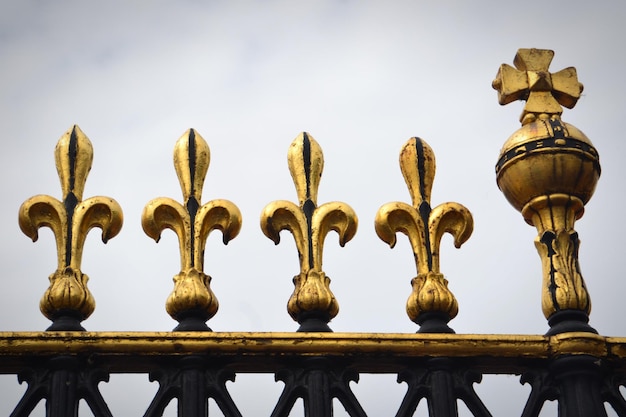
[361, 78]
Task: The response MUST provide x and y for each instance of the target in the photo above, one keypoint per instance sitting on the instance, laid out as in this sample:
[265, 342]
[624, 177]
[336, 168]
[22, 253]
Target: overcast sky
[362, 79]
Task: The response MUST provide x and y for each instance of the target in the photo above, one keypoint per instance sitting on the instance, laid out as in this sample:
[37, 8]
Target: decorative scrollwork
[441, 382]
[192, 382]
[63, 382]
[317, 383]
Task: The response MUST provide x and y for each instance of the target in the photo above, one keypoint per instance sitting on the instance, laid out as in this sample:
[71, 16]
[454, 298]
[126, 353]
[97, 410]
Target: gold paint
[424, 227]
[579, 343]
[379, 348]
[192, 223]
[557, 244]
[548, 170]
[616, 347]
[530, 80]
[70, 220]
[309, 224]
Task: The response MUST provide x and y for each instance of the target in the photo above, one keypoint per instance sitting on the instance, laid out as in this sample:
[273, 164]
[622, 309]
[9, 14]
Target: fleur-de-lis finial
[68, 301]
[543, 91]
[312, 303]
[431, 304]
[548, 170]
[192, 302]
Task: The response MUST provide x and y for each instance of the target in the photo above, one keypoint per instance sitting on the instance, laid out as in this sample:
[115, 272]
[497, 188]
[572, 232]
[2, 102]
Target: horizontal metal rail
[267, 351]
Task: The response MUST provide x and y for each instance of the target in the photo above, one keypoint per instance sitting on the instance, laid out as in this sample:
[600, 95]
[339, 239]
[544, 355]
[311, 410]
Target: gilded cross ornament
[312, 303]
[530, 80]
[431, 304]
[68, 301]
[548, 170]
[192, 302]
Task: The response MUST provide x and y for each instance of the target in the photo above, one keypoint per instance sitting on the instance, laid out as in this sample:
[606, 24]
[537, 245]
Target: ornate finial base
[193, 321]
[312, 303]
[314, 322]
[67, 301]
[192, 302]
[431, 304]
[66, 321]
[565, 321]
[434, 322]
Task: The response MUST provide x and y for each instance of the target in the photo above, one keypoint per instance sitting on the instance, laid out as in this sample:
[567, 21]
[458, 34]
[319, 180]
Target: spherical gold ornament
[547, 156]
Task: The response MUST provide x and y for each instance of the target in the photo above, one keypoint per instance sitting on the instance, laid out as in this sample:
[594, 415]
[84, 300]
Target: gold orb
[547, 156]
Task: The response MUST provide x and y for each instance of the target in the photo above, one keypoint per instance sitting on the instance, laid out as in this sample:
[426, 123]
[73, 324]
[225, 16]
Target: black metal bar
[62, 398]
[318, 399]
[193, 400]
[441, 399]
[579, 382]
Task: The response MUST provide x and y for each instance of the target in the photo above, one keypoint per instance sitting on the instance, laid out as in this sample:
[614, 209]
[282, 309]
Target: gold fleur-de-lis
[431, 304]
[312, 303]
[530, 80]
[191, 302]
[67, 300]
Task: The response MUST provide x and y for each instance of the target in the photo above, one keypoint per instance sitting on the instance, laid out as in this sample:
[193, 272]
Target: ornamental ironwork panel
[547, 170]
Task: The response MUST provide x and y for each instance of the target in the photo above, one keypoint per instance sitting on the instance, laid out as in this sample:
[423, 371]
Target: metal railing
[547, 170]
